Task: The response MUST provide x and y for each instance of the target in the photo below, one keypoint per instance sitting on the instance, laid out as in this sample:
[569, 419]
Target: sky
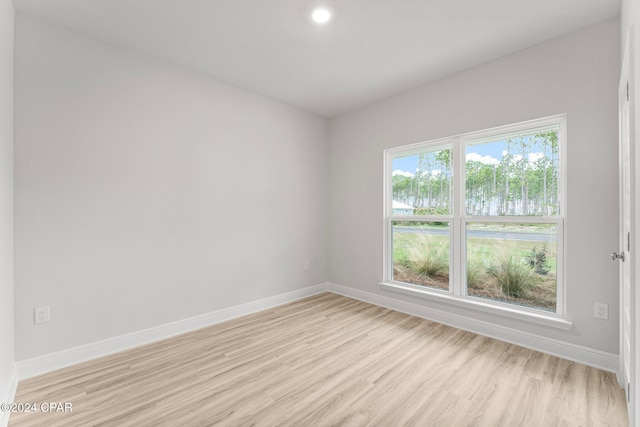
[487, 152]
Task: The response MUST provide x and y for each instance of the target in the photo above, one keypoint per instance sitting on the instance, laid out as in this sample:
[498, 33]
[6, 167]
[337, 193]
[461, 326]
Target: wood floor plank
[327, 360]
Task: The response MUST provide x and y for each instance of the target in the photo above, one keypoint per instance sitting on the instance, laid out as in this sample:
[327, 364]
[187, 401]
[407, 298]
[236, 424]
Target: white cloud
[487, 160]
[402, 173]
[435, 172]
[514, 157]
[534, 157]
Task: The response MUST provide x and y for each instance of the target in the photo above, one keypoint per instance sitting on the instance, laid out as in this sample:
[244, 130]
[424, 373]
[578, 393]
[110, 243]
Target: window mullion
[457, 256]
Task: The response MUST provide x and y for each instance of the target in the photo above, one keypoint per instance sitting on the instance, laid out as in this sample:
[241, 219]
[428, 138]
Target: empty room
[319, 213]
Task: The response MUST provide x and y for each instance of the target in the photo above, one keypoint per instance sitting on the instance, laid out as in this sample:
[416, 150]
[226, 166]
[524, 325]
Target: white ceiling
[371, 50]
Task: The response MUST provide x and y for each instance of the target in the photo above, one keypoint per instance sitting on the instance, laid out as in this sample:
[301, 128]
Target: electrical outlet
[306, 266]
[601, 311]
[42, 314]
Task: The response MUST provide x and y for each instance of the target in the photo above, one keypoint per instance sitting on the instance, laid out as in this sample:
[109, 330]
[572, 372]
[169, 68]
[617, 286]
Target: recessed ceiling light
[321, 15]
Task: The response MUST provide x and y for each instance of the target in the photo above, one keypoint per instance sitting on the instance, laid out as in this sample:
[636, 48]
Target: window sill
[537, 318]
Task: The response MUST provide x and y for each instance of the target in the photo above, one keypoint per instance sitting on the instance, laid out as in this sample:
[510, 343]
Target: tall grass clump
[429, 259]
[476, 271]
[514, 276]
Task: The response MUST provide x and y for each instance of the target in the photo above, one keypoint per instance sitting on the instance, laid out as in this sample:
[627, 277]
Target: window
[480, 217]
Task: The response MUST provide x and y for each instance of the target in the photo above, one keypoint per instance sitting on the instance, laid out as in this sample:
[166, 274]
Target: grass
[514, 276]
[429, 260]
[496, 269]
[477, 271]
[422, 259]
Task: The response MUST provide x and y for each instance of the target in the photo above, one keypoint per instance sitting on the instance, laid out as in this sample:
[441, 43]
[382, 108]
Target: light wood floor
[327, 360]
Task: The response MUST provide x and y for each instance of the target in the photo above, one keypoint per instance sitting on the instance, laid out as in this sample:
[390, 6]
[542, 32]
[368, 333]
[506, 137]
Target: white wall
[7, 358]
[629, 16]
[576, 74]
[146, 193]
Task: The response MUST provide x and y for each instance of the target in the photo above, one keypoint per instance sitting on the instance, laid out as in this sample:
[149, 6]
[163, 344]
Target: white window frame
[458, 220]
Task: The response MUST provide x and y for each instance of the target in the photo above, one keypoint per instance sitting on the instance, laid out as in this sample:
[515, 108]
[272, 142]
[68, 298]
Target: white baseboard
[51, 362]
[7, 395]
[61, 359]
[585, 355]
